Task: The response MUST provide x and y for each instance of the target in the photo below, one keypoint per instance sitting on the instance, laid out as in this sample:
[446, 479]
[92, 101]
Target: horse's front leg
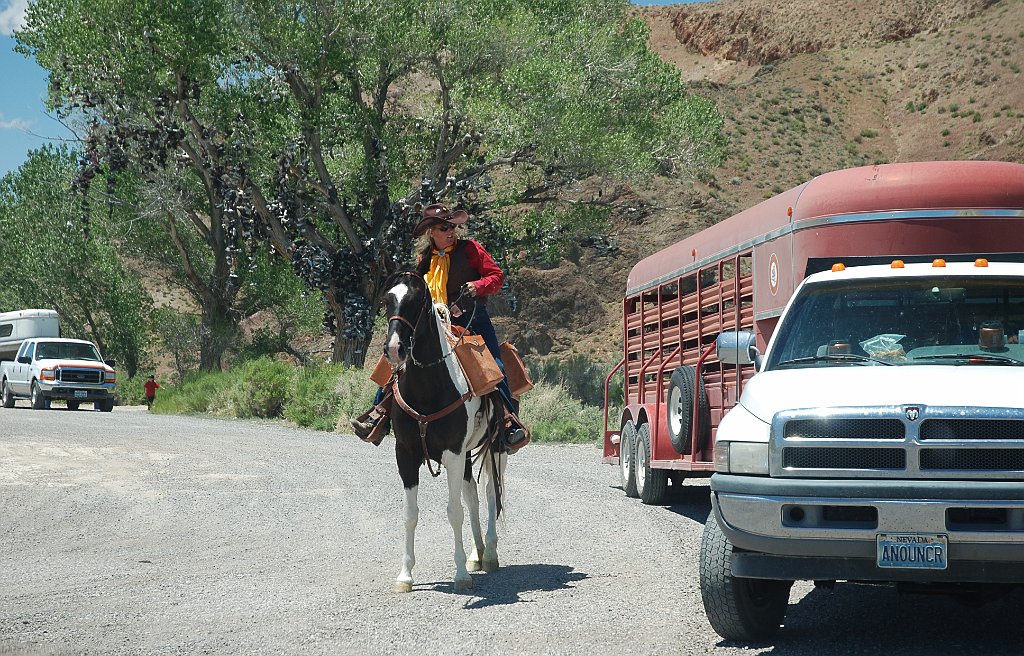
[412, 510]
[471, 498]
[455, 465]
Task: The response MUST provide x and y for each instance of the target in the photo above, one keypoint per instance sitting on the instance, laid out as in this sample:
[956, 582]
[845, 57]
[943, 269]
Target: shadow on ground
[507, 584]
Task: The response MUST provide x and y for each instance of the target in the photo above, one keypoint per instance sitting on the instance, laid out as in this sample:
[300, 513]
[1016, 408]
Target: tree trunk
[351, 352]
[215, 336]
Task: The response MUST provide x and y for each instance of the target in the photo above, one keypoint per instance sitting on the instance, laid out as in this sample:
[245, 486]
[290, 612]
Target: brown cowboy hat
[437, 214]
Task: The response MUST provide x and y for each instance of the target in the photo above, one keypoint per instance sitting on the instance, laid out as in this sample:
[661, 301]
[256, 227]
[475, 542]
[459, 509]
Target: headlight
[48, 374]
[109, 377]
[741, 457]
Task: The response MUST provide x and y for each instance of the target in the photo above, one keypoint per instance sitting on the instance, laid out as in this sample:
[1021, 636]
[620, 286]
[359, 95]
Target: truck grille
[972, 429]
[937, 442]
[80, 376]
[829, 457]
[845, 429]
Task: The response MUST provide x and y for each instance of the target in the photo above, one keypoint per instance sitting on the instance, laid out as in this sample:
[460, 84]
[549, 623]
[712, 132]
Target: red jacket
[470, 262]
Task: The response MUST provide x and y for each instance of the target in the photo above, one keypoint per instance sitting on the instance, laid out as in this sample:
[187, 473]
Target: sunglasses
[445, 227]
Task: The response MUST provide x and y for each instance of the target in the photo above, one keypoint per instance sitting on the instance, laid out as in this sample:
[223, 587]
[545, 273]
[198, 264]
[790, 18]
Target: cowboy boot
[373, 425]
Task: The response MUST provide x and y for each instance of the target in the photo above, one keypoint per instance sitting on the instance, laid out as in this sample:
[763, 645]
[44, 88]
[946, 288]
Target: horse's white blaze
[398, 293]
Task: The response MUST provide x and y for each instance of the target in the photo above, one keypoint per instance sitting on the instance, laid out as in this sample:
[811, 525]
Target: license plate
[912, 550]
[81, 394]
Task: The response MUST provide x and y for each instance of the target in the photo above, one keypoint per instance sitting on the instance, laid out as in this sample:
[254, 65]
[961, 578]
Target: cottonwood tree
[316, 127]
[46, 262]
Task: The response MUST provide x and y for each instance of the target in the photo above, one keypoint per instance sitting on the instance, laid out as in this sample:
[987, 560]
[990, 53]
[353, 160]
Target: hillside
[805, 87]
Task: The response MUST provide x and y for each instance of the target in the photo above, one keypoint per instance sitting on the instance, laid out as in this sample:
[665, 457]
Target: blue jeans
[482, 326]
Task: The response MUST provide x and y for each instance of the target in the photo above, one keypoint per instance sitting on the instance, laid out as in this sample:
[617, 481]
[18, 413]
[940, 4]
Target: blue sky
[24, 123]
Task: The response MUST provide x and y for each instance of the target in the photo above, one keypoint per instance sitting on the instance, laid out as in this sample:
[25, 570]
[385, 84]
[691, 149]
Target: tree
[130, 75]
[46, 262]
[315, 128]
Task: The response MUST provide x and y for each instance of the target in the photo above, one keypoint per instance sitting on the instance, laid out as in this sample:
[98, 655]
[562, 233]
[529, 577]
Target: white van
[16, 327]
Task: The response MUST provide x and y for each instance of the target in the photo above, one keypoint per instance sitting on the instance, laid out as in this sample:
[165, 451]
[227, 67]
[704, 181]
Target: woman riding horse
[462, 272]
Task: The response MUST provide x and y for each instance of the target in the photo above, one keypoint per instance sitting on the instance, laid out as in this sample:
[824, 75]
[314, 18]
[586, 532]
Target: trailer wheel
[7, 397]
[680, 410]
[627, 459]
[651, 484]
[104, 405]
[746, 610]
[37, 398]
[73, 405]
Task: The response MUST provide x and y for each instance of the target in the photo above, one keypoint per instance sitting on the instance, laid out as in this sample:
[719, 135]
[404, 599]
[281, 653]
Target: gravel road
[137, 533]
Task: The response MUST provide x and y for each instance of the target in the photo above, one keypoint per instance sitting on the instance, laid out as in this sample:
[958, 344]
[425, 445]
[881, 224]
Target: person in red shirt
[151, 386]
[457, 270]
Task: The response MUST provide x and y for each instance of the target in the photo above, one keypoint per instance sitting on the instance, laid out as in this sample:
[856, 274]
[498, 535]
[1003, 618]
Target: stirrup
[514, 434]
[373, 425]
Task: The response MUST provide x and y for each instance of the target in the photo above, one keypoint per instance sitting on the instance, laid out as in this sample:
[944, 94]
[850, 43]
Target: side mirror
[24, 360]
[738, 347]
[111, 363]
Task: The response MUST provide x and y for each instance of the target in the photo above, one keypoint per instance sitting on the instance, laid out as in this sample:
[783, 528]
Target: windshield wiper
[834, 357]
[981, 358]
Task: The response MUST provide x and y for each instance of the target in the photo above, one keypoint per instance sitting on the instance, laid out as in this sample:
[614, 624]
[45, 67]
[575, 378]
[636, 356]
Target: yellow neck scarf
[437, 277]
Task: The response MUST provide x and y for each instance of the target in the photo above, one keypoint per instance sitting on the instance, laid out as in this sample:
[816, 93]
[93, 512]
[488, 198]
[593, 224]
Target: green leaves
[46, 262]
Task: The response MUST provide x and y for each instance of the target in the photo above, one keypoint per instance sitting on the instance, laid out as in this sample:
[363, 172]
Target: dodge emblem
[912, 414]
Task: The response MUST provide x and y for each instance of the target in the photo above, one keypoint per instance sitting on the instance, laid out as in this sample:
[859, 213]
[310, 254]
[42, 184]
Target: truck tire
[6, 397]
[37, 398]
[73, 405]
[680, 410]
[745, 610]
[104, 405]
[627, 459]
[651, 484]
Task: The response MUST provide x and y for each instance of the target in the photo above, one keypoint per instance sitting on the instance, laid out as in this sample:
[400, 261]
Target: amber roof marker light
[981, 262]
[897, 264]
[838, 266]
[938, 262]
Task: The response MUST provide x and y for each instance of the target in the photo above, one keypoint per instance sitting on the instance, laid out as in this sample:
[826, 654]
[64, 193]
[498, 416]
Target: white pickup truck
[881, 441]
[50, 368]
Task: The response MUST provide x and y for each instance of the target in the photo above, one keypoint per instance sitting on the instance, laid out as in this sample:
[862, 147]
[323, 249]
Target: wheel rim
[675, 410]
[35, 394]
[624, 456]
[641, 467]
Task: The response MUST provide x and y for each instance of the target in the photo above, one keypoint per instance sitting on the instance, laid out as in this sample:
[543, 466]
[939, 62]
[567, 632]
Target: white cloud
[13, 123]
[12, 17]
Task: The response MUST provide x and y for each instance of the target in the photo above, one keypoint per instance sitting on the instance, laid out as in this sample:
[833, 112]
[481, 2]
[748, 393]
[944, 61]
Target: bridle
[423, 311]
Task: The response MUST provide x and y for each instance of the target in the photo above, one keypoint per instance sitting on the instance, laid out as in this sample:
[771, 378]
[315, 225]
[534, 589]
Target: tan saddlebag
[518, 377]
[382, 372]
[479, 365]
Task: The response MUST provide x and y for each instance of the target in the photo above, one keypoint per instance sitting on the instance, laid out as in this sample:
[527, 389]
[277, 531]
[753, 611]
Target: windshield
[911, 321]
[66, 351]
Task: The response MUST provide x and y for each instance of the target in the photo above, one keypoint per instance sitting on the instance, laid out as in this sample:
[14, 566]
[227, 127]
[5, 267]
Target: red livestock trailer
[741, 272]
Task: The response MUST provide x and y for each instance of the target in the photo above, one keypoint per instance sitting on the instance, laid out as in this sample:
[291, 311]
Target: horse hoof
[473, 565]
[490, 566]
[463, 584]
[402, 586]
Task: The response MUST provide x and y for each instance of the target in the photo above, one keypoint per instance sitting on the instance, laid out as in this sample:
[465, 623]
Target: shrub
[868, 133]
[553, 415]
[354, 392]
[262, 389]
[199, 392]
[129, 391]
[581, 377]
[316, 402]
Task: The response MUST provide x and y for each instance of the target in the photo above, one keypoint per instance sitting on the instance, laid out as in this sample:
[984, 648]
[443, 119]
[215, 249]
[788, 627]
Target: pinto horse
[435, 418]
